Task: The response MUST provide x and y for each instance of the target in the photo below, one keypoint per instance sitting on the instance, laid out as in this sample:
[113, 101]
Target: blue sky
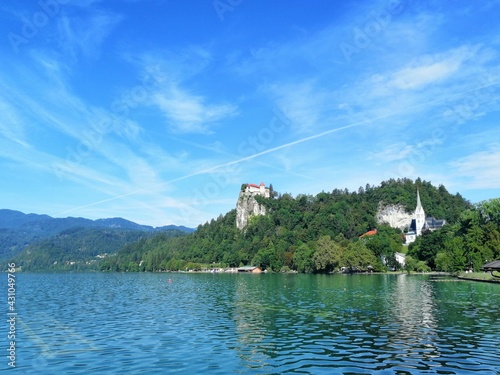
[158, 111]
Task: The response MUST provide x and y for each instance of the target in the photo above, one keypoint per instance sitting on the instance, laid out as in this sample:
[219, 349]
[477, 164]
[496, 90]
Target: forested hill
[305, 233]
[80, 249]
[19, 230]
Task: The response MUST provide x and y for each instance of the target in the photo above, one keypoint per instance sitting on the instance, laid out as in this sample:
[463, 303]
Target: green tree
[303, 259]
[443, 261]
[328, 254]
[357, 257]
[455, 251]
[426, 247]
[410, 264]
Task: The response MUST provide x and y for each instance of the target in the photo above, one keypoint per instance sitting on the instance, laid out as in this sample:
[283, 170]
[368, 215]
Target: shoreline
[467, 278]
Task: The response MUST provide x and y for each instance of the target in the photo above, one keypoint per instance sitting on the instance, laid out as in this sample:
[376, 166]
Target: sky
[158, 110]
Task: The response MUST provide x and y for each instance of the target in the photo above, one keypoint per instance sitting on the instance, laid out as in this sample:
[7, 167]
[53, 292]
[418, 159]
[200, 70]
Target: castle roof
[257, 186]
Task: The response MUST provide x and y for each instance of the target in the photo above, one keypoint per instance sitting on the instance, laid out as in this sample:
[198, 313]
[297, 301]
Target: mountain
[182, 228]
[15, 219]
[18, 230]
[81, 249]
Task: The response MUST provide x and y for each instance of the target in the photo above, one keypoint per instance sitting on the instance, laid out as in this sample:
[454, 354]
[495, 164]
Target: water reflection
[413, 330]
[348, 324]
[269, 324]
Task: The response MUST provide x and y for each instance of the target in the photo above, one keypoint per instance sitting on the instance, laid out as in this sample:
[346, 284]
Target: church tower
[419, 216]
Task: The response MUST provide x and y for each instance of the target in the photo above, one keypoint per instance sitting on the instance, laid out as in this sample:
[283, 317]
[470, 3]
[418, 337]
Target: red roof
[253, 185]
[262, 184]
[369, 233]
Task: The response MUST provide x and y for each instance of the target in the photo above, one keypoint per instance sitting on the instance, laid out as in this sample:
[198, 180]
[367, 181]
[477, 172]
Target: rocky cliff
[247, 207]
[394, 215]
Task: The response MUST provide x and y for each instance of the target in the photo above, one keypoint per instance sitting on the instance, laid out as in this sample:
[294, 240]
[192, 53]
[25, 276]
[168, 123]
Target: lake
[140, 323]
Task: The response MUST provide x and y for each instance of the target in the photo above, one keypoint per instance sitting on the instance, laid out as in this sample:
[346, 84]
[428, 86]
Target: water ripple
[248, 324]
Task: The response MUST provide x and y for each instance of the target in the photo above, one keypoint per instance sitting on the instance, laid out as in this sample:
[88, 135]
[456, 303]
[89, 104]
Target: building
[253, 189]
[250, 269]
[420, 223]
[492, 267]
[400, 258]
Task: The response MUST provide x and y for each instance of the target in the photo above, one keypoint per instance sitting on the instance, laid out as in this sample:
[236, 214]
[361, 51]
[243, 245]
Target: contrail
[277, 148]
[212, 169]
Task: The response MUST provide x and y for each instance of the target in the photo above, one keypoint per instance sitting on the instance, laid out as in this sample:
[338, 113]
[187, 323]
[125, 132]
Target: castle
[253, 189]
[419, 223]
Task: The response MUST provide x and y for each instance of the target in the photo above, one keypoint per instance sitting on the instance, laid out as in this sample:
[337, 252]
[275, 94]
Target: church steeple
[419, 216]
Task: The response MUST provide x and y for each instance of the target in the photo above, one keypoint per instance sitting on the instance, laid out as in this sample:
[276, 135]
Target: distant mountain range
[19, 230]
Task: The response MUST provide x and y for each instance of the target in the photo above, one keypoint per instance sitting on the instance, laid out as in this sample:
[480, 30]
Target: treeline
[304, 233]
[80, 249]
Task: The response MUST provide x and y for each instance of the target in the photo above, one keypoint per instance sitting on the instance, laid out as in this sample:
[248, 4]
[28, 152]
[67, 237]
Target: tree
[490, 211]
[455, 250]
[443, 262]
[426, 247]
[266, 258]
[357, 257]
[303, 259]
[327, 255]
[422, 267]
[410, 264]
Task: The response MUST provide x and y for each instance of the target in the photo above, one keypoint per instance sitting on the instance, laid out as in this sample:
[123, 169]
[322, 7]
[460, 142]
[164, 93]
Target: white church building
[419, 223]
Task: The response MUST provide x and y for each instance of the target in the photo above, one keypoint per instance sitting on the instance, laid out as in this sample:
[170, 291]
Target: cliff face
[247, 207]
[394, 215]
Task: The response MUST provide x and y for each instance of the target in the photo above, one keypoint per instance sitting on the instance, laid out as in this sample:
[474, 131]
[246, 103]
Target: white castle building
[253, 189]
[419, 223]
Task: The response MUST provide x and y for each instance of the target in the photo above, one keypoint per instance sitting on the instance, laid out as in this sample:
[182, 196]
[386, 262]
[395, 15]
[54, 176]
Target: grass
[482, 276]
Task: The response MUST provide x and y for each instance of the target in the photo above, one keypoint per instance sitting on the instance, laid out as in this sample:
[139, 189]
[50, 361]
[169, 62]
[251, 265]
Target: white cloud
[184, 110]
[417, 77]
[188, 113]
[393, 152]
[11, 125]
[302, 103]
[431, 69]
[85, 35]
[480, 169]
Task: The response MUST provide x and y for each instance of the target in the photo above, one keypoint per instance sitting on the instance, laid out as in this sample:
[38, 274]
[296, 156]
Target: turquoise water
[253, 324]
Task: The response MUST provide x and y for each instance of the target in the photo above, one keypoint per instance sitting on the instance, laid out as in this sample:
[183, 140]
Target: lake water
[252, 324]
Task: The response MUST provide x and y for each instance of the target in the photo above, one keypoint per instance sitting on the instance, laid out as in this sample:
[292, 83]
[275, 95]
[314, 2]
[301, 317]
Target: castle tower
[419, 216]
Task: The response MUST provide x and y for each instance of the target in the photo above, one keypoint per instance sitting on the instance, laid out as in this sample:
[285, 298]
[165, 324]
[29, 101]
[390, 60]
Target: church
[420, 223]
